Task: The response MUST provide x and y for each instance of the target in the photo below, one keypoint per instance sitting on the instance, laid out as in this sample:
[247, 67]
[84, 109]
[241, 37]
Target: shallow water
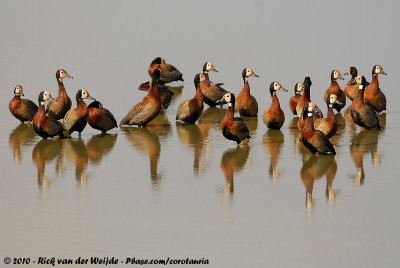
[177, 190]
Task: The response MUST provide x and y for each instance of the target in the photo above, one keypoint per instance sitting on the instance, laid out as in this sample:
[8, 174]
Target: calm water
[173, 190]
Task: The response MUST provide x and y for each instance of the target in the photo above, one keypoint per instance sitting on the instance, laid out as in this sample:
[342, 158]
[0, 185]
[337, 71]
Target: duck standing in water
[23, 109]
[246, 104]
[329, 124]
[273, 116]
[190, 110]
[233, 128]
[58, 109]
[298, 88]
[44, 126]
[373, 95]
[101, 118]
[315, 140]
[146, 110]
[363, 115]
[303, 103]
[335, 89]
[77, 118]
[351, 90]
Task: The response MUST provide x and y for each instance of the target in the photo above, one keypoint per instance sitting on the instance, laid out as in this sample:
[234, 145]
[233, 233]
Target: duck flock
[316, 130]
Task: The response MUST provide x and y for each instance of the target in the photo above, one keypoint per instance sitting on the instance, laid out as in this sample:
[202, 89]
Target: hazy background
[108, 45]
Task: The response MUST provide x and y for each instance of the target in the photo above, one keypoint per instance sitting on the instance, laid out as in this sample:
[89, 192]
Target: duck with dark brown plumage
[273, 116]
[314, 140]
[190, 110]
[44, 126]
[100, 118]
[23, 109]
[298, 88]
[246, 104]
[363, 115]
[351, 90]
[76, 119]
[58, 109]
[373, 95]
[233, 128]
[146, 110]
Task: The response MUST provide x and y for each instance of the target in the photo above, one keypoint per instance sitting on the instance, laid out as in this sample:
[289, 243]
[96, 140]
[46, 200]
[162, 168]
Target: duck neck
[351, 80]
[246, 88]
[199, 96]
[154, 91]
[331, 115]
[61, 89]
[375, 82]
[275, 102]
[309, 123]
[334, 83]
[16, 98]
[360, 95]
[230, 112]
[40, 112]
[306, 94]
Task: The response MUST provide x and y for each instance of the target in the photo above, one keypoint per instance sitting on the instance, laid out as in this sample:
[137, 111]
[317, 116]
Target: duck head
[230, 99]
[360, 81]
[377, 69]
[298, 88]
[83, 94]
[331, 99]
[44, 96]
[18, 91]
[352, 71]
[200, 78]
[61, 74]
[274, 87]
[209, 66]
[336, 75]
[247, 72]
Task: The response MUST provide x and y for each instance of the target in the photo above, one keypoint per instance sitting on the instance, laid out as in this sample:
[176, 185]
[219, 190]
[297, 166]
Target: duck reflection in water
[191, 136]
[314, 167]
[75, 152]
[233, 160]
[273, 141]
[364, 142]
[20, 137]
[147, 141]
[100, 145]
[46, 151]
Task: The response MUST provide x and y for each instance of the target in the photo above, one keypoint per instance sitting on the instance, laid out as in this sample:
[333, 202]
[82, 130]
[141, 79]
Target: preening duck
[233, 128]
[273, 116]
[44, 126]
[373, 95]
[76, 119]
[58, 109]
[190, 110]
[246, 104]
[335, 89]
[23, 109]
[363, 115]
[100, 118]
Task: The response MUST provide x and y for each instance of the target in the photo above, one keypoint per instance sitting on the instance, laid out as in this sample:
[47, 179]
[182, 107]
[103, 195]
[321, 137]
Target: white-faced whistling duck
[22, 109]
[190, 110]
[246, 104]
[334, 88]
[351, 90]
[303, 103]
[100, 118]
[169, 72]
[273, 116]
[146, 110]
[298, 88]
[233, 128]
[59, 108]
[207, 67]
[77, 118]
[363, 115]
[373, 95]
[329, 124]
[44, 126]
[314, 140]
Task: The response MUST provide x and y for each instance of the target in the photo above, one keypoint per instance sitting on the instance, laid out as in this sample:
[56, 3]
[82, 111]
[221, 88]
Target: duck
[298, 88]
[314, 140]
[207, 67]
[373, 95]
[351, 90]
[43, 125]
[77, 118]
[190, 110]
[329, 124]
[164, 92]
[100, 118]
[146, 110]
[363, 114]
[335, 89]
[58, 109]
[246, 104]
[233, 128]
[168, 71]
[303, 103]
[22, 109]
[273, 116]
